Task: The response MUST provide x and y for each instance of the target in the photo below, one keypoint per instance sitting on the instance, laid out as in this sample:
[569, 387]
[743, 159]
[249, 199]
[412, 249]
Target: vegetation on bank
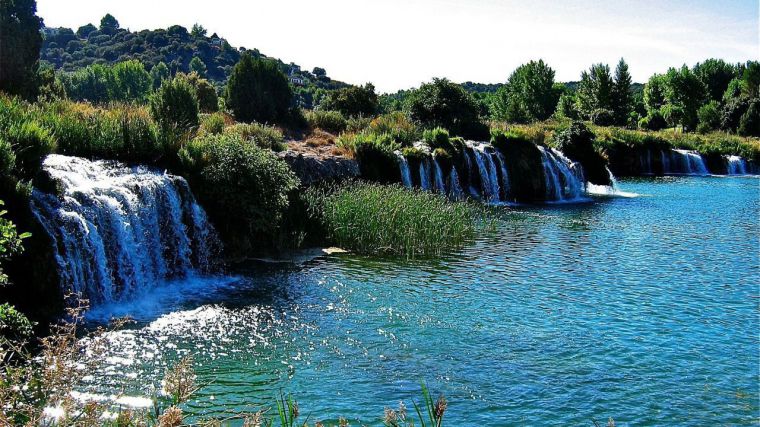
[377, 219]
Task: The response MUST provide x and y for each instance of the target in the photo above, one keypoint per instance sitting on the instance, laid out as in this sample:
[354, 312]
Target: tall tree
[108, 22]
[159, 73]
[595, 90]
[258, 91]
[684, 94]
[198, 66]
[20, 42]
[529, 94]
[715, 74]
[198, 31]
[442, 103]
[622, 99]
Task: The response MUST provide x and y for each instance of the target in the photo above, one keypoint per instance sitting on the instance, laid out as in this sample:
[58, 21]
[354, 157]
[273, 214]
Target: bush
[709, 117]
[749, 124]
[398, 125]
[208, 101]
[266, 137]
[212, 124]
[732, 113]
[14, 326]
[243, 187]
[352, 101]
[32, 143]
[174, 106]
[330, 121]
[438, 138]
[7, 158]
[258, 91]
[447, 105]
[375, 154]
[653, 121]
[602, 117]
[376, 219]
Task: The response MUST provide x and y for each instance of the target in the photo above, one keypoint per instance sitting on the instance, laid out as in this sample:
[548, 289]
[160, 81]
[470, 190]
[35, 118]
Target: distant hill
[68, 50]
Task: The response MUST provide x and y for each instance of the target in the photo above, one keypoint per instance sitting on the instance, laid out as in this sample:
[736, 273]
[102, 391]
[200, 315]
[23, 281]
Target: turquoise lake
[645, 309]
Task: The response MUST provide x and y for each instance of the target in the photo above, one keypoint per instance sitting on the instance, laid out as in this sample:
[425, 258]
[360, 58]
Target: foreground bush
[377, 219]
[243, 187]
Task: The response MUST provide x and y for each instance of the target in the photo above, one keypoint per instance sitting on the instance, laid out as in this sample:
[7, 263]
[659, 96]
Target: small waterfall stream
[735, 165]
[563, 178]
[439, 185]
[687, 162]
[119, 230]
[406, 174]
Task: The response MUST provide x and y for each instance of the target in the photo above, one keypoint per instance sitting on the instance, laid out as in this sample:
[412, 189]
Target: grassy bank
[376, 219]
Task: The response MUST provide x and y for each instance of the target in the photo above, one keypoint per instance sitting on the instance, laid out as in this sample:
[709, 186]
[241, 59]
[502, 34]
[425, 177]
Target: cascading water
[406, 174]
[487, 169]
[686, 162]
[425, 175]
[735, 165]
[455, 188]
[563, 178]
[439, 184]
[119, 230]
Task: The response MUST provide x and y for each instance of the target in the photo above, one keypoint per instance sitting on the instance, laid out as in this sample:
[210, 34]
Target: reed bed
[389, 219]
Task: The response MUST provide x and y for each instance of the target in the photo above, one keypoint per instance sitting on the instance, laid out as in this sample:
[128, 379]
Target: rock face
[315, 168]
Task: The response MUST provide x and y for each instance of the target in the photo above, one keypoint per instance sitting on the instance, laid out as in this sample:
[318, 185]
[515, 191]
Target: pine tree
[621, 94]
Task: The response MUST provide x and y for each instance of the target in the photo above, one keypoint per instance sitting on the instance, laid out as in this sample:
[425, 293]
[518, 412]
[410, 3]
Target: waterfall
[406, 174]
[735, 165]
[504, 174]
[487, 169]
[687, 162]
[455, 189]
[665, 159]
[439, 185]
[119, 230]
[425, 175]
[563, 178]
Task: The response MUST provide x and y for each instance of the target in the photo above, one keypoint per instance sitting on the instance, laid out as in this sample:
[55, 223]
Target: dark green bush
[709, 117]
[212, 124]
[732, 113]
[352, 101]
[174, 106]
[602, 117]
[749, 124]
[7, 158]
[208, 101]
[653, 121]
[330, 121]
[442, 103]
[244, 188]
[258, 91]
[375, 155]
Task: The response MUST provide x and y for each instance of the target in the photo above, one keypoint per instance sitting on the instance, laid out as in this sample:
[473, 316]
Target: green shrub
[330, 121]
[438, 138]
[413, 153]
[376, 219]
[375, 155]
[212, 124]
[267, 137]
[749, 124]
[32, 143]
[445, 104]
[709, 117]
[352, 101]
[398, 125]
[243, 187]
[602, 117]
[174, 106]
[258, 91]
[208, 101]
[653, 121]
[357, 124]
[14, 326]
[7, 158]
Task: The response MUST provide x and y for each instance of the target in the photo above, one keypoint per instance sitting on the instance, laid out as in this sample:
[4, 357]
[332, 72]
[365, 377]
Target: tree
[685, 93]
[197, 66]
[654, 93]
[85, 30]
[20, 42]
[751, 80]
[622, 100]
[174, 106]
[131, 81]
[442, 103]
[159, 73]
[319, 72]
[208, 101]
[709, 117]
[567, 107]
[529, 93]
[715, 74]
[749, 124]
[352, 101]
[108, 23]
[595, 90]
[198, 31]
[258, 91]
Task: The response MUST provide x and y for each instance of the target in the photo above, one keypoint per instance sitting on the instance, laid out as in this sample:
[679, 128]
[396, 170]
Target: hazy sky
[399, 43]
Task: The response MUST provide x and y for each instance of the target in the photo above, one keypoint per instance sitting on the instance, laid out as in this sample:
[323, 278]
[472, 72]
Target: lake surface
[643, 309]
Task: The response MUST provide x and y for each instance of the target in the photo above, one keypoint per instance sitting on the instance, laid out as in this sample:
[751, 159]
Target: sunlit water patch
[643, 309]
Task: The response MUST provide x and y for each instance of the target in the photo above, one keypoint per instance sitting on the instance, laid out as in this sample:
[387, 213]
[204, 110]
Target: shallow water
[644, 309]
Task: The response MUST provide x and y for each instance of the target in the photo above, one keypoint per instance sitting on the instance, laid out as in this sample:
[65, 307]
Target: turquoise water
[642, 309]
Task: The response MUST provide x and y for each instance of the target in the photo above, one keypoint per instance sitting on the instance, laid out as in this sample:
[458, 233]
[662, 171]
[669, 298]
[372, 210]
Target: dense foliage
[529, 95]
[442, 103]
[20, 42]
[352, 101]
[259, 91]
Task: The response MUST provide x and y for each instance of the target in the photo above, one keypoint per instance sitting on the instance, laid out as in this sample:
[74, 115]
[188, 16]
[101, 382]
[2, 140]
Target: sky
[398, 44]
